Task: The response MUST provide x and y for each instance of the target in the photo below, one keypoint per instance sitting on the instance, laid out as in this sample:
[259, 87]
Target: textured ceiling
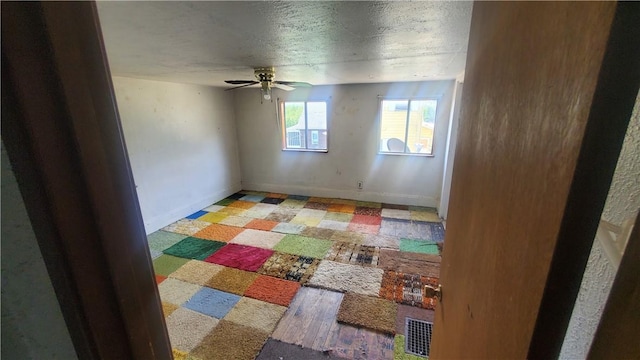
[317, 42]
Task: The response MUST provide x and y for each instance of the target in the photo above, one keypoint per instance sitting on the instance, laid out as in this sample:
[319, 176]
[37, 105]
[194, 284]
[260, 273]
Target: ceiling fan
[265, 77]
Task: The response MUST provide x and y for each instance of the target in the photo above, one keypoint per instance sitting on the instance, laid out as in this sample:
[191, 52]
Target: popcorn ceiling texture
[622, 202]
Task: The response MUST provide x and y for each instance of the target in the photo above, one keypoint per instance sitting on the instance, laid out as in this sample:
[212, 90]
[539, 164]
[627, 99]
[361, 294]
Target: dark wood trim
[617, 334]
[64, 140]
[609, 116]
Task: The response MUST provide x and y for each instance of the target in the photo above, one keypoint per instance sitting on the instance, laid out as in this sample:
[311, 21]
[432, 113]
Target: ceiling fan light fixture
[265, 90]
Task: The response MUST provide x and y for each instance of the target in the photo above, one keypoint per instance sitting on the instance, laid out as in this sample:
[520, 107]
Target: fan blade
[241, 86]
[283, 87]
[294, 83]
[238, 82]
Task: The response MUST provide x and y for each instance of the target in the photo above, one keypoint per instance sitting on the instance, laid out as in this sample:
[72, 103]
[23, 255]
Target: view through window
[407, 126]
[304, 125]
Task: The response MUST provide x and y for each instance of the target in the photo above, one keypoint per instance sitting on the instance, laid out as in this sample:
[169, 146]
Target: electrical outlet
[360, 184]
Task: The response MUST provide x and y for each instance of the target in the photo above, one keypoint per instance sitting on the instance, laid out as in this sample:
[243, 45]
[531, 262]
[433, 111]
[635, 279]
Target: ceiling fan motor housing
[265, 74]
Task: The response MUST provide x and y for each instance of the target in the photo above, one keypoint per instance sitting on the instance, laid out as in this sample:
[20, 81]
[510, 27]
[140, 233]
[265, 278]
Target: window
[406, 126]
[304, 125]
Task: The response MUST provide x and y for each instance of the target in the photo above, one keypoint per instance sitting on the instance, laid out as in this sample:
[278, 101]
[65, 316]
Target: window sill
[306, 150]
[406, 154]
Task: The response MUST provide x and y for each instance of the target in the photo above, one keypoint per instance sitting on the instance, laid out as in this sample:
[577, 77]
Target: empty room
[286, 156]
[320, 180]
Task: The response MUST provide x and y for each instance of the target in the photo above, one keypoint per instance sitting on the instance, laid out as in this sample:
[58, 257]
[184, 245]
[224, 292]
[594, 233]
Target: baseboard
[158, 222]
[361, 195]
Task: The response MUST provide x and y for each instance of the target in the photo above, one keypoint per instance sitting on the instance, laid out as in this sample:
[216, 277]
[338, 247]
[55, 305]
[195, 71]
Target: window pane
[393, 125]
[317, 125]
[294, 124]
[421, 126]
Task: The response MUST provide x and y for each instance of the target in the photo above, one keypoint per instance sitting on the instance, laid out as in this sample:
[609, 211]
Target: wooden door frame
[607, 124]
[65, 143]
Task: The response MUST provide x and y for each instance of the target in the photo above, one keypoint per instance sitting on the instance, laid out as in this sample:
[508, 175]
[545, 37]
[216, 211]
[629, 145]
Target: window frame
[307, 139]
[409, 99]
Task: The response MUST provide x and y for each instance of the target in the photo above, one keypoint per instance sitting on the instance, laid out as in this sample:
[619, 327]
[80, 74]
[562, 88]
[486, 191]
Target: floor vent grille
[418, 338]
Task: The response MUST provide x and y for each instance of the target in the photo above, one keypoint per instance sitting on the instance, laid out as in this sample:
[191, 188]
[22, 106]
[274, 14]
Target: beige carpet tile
[186, 226]
[307, 221]
[338, 216]
[333, 225]
[237, 221]
[363, 228]
[277, 195]
[288, 228]
[231, 341]
[347, 236]
[346, 277]
[318, 233]
[187, 328]
[258, 238]
[381, 241]
[214, 208]
[293, 204]
[176, 291]
[280, 217]
[260, 211]
[232, 280]
[312, 213]
[256, 314]
[213, 217]
[168, 308]
[396, 214]
[196, 272]
[425, 216]
[368, 312]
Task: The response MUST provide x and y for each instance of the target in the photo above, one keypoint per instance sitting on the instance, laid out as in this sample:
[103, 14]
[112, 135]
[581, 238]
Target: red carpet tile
[241, 257]
[273, 290]
[160, 278]
[260, 224]
[366, 219]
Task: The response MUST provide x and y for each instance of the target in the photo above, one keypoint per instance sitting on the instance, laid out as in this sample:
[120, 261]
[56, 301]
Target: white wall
[181, 141]
[450, 153]
[353, 146]
[622, 202]
[32, 322]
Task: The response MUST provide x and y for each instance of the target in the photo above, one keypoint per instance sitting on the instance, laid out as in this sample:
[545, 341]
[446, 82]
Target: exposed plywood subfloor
[311, 322]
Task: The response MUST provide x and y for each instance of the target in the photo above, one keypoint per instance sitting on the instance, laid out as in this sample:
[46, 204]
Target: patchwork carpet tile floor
[262, 268]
